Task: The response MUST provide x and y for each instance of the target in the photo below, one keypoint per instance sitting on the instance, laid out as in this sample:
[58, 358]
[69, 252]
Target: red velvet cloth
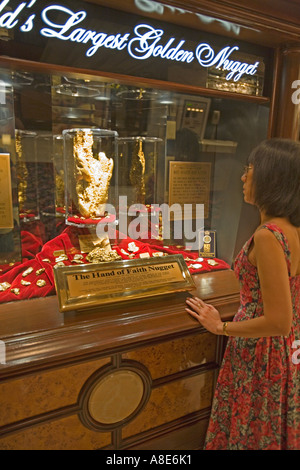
[37, 256]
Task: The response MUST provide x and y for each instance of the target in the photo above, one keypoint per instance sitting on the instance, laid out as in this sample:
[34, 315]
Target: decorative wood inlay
[36, 394]
[63, 434]
[116, 396]
[177, 355]
[171, 401]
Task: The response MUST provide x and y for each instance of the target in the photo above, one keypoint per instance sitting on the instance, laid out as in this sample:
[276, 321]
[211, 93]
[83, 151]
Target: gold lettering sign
[85, 286]
[190, 184]
[6, 205]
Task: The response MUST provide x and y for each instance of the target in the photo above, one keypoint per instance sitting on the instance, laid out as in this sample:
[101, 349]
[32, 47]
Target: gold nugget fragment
[27, 272]
[212, 262]
[61, 258]
[15, 291]
[40, 283]
[4, 286]
[60, 263]
[101, 255]
[25, 283]
[132, 247]
[39, 271]
[196, 266]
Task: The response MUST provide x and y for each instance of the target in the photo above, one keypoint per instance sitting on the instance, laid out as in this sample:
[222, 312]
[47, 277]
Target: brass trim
[90, 279]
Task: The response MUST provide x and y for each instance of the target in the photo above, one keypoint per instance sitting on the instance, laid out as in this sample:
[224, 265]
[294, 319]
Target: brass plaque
[189, 183]
[6, 205]
[86, 286]
[207, 240]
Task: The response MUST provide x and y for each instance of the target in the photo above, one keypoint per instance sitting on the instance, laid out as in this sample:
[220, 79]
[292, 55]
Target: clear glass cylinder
[46, 186]
[59, 175]
[26, 163]
[138, 169]
[90, 174]
[139, 183]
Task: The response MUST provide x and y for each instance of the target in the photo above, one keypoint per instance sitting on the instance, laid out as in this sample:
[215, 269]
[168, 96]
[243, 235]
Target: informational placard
[207, 243]
[87, 286]
[189, 183]
[6, 205]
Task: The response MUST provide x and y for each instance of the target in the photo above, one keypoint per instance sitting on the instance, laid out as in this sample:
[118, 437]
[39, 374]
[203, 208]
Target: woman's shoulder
[276, 225]
[270, 236]
[273, 231]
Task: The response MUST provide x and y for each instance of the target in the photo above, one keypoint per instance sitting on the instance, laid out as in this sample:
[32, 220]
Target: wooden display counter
[138, 375]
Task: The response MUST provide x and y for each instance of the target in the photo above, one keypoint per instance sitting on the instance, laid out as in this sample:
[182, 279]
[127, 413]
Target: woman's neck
[264, 218]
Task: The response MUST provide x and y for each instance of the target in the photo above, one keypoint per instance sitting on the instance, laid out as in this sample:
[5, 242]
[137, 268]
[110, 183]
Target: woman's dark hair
[276, 178]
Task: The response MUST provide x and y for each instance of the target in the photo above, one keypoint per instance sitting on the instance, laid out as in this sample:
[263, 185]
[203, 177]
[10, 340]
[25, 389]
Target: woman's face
[247, 178]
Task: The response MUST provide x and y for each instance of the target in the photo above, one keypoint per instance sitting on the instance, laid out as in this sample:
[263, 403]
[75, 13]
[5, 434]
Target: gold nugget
[93, 176]
[61, 258]
[39, 271]
[40, 283]
[212, 262]
[15, 291]
[60, 263]
[132, 247]
[4, 286]
[27, 272]
[25, 283]
[101, 255]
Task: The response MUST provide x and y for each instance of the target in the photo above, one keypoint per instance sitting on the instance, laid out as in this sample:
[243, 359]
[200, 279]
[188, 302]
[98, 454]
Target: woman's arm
[275, 291]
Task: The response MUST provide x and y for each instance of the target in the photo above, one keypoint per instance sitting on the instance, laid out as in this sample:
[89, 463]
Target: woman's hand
[205, 314]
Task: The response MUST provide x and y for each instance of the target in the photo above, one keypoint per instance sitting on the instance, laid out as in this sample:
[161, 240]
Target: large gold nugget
[93, 176]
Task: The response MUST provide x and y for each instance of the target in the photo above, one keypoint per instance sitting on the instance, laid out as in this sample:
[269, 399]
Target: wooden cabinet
[134, 376]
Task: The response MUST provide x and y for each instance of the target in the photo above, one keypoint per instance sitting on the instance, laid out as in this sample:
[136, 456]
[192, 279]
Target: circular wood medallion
[116, 396]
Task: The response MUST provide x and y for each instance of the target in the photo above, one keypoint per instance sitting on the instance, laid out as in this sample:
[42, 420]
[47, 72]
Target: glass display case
[10, 235]
[160, 169]
[91, 169]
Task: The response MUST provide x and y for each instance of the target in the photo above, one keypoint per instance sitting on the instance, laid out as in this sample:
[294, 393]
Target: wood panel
[37, 335]
[285, 114]
[271, 22]
[54, 368]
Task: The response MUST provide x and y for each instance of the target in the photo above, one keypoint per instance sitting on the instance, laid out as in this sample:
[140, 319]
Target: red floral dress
[257, 398]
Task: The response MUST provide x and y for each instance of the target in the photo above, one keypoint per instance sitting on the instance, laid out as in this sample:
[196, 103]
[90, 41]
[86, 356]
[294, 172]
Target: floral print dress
[257, 398]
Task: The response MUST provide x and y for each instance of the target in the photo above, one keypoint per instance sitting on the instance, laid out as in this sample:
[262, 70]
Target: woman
[257, 398]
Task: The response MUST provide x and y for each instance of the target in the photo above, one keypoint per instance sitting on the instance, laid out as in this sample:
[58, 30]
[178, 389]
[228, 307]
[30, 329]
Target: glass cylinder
[26, 163]
[139, 180]
[90, 174]
[138, 169]
[46, 186]
[59, 175]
